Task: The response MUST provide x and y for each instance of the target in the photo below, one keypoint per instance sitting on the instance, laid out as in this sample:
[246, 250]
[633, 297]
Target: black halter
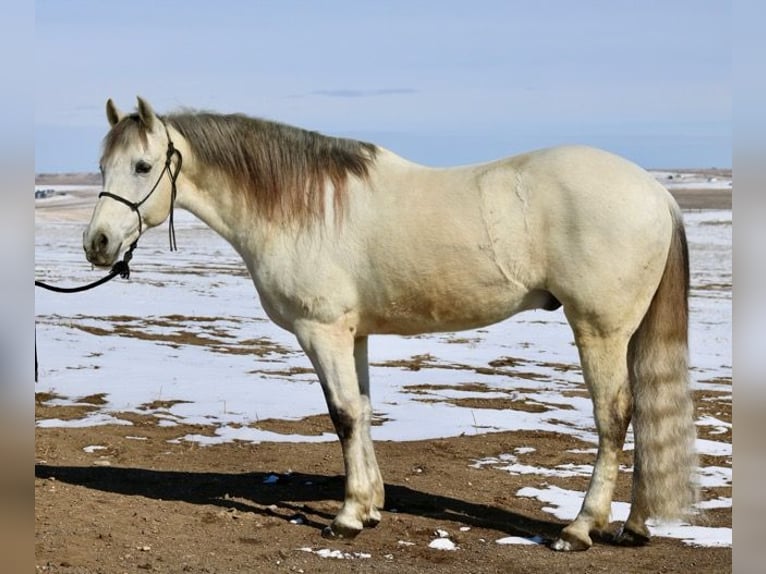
[133, 205]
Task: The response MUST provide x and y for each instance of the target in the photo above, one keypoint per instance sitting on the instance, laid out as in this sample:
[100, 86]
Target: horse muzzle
[100, 250]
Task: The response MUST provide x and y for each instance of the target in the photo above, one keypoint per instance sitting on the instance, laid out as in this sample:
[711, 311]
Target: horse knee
[346, 421]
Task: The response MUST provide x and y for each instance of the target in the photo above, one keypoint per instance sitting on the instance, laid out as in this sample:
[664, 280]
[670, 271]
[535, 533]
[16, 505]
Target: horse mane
[281, 170]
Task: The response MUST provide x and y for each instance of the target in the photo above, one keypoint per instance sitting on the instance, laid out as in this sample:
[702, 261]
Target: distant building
[43, 193]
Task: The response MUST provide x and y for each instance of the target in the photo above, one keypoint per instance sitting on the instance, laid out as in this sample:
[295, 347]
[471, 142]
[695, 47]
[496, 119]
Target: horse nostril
[102, 241]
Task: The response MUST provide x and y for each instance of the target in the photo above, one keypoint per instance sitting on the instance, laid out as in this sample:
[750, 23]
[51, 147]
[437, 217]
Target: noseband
[133, 205]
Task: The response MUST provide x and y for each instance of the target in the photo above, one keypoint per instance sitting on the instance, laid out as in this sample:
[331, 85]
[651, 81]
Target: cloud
[352, 93]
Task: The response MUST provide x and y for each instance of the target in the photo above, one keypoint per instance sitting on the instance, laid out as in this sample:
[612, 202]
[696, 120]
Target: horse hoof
[371, 522]
[373, 519]
[338, 532]
[628, 537]
[569, 544]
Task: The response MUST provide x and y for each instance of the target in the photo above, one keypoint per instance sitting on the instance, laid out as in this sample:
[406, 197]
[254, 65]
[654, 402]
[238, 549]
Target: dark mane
[281, 170]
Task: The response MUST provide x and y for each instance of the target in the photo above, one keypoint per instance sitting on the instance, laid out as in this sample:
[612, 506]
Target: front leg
[371, 463]
[332, 350]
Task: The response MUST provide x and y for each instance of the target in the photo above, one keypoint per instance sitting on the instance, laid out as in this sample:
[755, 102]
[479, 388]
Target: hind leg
[604, 363]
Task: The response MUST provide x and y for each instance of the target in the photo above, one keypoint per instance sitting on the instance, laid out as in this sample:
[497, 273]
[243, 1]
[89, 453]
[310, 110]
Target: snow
[442, 544]
[691, 180]
[167, 341]
[565, 504]
[337, 554]
[535, 540]
[94, 189]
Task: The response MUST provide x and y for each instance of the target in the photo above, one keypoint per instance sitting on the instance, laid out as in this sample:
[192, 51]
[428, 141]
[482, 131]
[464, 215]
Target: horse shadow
[286, 496]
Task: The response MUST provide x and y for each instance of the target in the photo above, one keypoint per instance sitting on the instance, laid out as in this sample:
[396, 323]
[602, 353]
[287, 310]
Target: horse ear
[146, 113]
[112, 113]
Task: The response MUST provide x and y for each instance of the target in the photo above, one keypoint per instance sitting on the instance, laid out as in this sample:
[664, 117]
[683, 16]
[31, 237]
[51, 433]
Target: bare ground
[146, 504]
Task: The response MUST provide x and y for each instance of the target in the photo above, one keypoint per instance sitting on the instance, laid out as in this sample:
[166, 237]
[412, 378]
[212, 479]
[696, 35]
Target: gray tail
[664, 484]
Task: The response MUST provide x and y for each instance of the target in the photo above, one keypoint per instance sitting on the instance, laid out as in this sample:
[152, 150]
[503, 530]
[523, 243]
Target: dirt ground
[703, 198]
[146, 504]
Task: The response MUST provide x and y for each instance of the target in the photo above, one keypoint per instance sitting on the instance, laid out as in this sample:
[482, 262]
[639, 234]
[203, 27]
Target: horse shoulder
[302, 277]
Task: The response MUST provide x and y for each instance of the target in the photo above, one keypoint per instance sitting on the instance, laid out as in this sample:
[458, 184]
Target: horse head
[137, 151]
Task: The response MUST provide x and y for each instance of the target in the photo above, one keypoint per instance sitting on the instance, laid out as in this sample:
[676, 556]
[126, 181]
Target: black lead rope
[173, 190]
[122, 267]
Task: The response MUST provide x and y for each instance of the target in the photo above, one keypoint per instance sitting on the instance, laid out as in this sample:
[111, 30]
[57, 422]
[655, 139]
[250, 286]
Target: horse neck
[214, 201]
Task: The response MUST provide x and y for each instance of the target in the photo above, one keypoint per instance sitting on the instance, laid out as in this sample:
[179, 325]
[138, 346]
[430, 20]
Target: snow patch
[442, 544]
[337, 554]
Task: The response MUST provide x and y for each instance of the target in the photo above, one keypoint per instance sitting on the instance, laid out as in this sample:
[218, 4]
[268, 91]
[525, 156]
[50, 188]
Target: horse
[345, 239]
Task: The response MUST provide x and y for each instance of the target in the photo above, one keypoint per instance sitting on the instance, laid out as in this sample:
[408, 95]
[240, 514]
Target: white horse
[345, 239]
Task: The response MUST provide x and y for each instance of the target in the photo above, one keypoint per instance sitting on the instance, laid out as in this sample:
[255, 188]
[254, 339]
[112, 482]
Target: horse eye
[143, 167]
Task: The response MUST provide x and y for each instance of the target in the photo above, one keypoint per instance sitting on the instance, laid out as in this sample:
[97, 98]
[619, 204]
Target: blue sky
[441, 83]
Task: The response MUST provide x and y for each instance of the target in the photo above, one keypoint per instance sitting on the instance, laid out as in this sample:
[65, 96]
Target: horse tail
[665, 459]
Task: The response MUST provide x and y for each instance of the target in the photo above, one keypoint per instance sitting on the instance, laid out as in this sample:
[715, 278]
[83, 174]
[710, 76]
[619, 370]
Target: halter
[133, 205]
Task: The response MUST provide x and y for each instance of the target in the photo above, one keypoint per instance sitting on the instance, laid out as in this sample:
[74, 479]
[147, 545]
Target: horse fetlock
[376, 496]
[379, 498]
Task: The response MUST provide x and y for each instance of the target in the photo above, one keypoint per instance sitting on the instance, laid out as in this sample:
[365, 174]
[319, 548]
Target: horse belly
[445, 307]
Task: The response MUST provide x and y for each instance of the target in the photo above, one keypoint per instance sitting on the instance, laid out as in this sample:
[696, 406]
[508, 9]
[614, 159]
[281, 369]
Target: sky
[441, 83]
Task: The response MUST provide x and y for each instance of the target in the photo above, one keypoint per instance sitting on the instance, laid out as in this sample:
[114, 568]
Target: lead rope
[120, 268]
[173, 178]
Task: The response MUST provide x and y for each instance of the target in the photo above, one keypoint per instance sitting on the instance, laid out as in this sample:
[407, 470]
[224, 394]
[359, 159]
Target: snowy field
[186, 339]
[685, 180]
